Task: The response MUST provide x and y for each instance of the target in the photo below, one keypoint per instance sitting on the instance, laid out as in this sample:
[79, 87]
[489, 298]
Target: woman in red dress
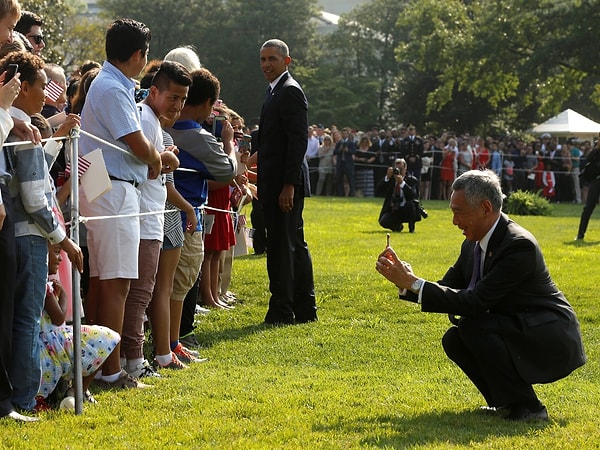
[220, 238]
[448, 171]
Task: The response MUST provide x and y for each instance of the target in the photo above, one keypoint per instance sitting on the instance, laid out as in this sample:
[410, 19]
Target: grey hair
[400, 161]
[185, 55]
[480, 185]
[278, 44]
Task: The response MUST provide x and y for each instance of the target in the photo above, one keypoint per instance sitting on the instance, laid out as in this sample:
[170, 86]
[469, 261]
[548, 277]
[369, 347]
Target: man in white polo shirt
[110, 113]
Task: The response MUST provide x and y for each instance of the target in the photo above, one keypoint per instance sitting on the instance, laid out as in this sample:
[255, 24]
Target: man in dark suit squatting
[283, 182]
[516, 328]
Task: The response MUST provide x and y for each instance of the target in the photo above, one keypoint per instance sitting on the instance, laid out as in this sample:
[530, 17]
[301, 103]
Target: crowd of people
[162, 245]
[352, 163]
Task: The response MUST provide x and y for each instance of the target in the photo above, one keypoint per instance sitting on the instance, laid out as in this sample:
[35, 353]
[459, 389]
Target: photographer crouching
[401, 204]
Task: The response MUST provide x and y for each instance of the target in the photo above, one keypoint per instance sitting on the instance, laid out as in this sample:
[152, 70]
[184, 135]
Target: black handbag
[420, 212]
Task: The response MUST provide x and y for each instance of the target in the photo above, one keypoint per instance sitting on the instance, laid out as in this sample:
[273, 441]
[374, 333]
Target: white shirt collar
[276, 80]
[19, 114]
[483, 243]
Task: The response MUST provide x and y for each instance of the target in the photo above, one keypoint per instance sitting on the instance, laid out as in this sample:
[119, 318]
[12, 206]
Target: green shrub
[527, 204]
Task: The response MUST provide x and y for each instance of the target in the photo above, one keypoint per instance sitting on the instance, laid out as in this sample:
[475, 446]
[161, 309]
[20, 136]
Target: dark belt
[134, 183]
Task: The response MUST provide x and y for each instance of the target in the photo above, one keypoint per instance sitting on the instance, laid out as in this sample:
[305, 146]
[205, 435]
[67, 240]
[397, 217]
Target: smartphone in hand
[11, 71]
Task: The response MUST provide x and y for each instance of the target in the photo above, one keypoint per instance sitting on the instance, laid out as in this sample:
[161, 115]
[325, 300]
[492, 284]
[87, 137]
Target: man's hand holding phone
[11, 86]
[11, 71]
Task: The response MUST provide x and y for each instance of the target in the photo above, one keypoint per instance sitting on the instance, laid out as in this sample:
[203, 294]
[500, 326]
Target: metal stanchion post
[76, 296]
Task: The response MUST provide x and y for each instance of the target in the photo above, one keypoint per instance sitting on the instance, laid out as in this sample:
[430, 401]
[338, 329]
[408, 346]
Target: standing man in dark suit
[283, 182]
[411, 149]
[344, 152]
[516, 327]
[383, 146]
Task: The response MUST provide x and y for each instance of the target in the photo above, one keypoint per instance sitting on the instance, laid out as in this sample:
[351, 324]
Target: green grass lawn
[370, 374]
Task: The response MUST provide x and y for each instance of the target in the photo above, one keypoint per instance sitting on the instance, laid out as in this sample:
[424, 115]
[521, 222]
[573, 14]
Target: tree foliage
[227, 35]
[85, 41]
[355, 76]
[520, 60]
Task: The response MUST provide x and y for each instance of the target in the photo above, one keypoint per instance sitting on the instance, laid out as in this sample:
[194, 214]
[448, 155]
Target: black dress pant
[393, 220]
[590, 205]
[477, 347]
[259, 237]
[186, 325]
[8, 276]
[289, 266]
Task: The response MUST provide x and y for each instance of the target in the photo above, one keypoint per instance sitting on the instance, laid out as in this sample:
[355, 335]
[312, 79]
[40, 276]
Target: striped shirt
[31, 189]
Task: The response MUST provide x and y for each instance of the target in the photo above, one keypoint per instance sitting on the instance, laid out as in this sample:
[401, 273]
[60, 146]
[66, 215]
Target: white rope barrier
[108, 144]
[84, 219]
[122, 150]
[12, 144]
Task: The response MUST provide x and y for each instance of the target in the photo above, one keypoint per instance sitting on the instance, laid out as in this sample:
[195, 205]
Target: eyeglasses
[37, 38]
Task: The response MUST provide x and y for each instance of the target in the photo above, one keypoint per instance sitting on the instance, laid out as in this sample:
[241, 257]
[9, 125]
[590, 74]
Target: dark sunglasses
[37, 38]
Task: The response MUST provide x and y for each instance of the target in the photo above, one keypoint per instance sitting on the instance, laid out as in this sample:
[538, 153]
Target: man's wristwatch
[416, 286]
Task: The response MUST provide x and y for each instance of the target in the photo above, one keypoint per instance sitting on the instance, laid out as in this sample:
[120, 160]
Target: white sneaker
[144, 369]
[201, 310]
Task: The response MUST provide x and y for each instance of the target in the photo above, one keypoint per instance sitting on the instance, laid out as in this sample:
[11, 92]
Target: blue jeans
[32, 274]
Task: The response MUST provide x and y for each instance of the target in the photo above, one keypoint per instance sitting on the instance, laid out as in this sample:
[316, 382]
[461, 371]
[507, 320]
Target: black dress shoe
[278, 320]
[306, 319]
[524, 414]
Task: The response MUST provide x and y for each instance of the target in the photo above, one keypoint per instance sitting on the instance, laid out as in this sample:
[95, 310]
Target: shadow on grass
[211, 337]
[463, 428]
[252, 255]
[582, 243]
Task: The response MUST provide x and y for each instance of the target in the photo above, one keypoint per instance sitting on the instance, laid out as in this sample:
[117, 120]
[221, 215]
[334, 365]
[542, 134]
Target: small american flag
[84, 165]
[54, 90]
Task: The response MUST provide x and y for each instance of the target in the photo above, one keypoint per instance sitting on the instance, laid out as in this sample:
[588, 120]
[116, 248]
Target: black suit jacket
[539, 326]
[385, 188]
[386, 152]
[282, 141]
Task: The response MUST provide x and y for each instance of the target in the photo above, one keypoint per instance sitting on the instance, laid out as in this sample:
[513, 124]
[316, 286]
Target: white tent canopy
[569, 124]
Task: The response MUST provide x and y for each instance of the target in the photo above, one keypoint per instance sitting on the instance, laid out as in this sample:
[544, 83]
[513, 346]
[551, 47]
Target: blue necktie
[476, 267]
[268, 93]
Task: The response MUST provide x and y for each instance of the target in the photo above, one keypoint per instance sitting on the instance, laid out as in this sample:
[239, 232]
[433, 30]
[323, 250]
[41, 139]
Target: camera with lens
[397, 171]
